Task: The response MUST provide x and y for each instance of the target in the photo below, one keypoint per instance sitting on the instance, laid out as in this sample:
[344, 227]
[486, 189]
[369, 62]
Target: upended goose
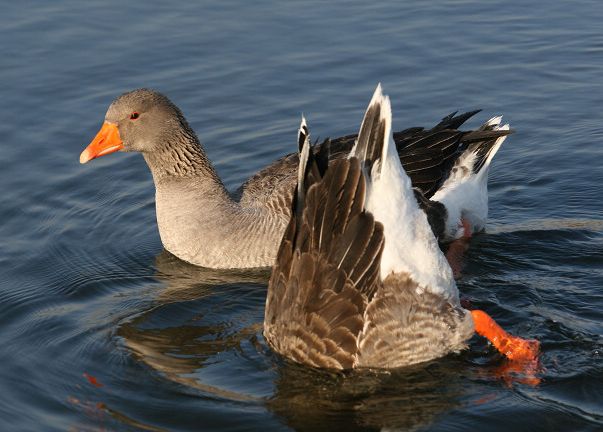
[359, 280]
[201, 223]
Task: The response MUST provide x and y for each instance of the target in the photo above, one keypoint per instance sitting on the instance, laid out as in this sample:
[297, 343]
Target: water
[102, 330]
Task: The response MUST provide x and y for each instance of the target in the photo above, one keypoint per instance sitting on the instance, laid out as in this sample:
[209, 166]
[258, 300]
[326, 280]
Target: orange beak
[106, 141]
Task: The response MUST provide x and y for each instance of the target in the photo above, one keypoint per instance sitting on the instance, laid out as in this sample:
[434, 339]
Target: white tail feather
[410, 246]
[497, 145]
[465, 193]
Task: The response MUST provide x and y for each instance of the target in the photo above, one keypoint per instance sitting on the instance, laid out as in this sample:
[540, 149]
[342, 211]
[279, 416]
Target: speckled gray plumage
[404, 327]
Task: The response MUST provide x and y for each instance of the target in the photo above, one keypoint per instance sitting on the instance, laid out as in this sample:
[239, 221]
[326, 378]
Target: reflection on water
[182, 339]
[178, 351]
[101, 414]
[409, 398]
[595, 225]
[184, 281]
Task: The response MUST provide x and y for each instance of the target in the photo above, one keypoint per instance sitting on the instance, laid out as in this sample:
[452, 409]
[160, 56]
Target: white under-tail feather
[410, 246]
[465, 192]
[496, 146]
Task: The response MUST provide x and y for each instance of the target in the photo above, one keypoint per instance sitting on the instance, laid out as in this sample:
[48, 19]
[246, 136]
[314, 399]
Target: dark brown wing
[436, 213]
[426, 155]
[326, 271]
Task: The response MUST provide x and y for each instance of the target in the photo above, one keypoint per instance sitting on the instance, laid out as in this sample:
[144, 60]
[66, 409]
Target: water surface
[102, 330]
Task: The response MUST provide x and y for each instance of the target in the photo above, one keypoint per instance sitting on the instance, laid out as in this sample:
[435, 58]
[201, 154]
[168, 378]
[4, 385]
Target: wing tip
[303, 134]
[375, 128]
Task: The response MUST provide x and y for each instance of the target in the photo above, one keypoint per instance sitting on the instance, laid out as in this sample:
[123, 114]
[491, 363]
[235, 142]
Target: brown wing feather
[325, 274]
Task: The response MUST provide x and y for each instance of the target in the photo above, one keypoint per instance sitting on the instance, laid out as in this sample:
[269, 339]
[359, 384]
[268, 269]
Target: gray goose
[359, 280]
[200, 222]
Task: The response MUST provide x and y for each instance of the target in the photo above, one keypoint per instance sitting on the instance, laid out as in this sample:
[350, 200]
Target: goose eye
[134, 115]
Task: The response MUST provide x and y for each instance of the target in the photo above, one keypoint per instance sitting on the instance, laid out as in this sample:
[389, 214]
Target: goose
[200, 222]
[359, 280]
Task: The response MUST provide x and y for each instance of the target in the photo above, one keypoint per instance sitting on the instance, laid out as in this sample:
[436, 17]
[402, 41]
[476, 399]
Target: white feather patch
[465, 193]
[410, 245]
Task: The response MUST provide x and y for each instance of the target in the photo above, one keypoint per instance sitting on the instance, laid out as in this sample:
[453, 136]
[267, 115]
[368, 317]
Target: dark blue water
[101, 330]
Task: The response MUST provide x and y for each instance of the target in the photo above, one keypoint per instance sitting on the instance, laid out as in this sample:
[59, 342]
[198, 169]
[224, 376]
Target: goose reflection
[405, 399]
[196, 314]
[183, 281]
[204, 331]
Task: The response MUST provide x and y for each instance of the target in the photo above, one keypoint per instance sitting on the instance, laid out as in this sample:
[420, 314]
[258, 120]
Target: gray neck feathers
[181, 158]
[197, 219]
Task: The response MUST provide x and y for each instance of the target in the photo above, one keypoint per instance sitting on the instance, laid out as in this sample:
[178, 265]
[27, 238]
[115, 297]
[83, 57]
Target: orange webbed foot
[513, 347]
